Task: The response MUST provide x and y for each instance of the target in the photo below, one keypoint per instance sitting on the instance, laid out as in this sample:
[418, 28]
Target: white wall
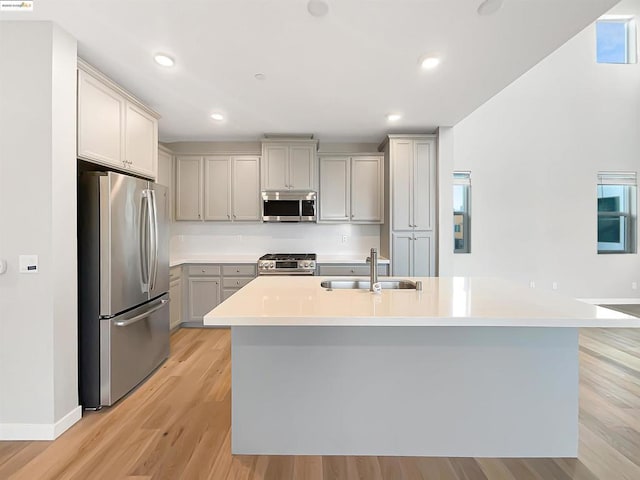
[534, 151]
[193, 238]
[38, 324]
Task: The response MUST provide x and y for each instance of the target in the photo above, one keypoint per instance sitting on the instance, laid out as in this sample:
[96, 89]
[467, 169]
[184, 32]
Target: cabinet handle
[234, 216]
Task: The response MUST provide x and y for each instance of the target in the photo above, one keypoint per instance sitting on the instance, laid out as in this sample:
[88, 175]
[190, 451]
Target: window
[461, 213]
[616, 40]
[617, 212]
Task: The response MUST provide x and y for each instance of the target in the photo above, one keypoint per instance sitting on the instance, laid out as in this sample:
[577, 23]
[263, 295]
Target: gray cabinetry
[235, 277]
[175, 295]
[218, 188]
[210, 284]
[351, 189]
[409, 232]
[289, 164]
[350, 269]
[203, 292]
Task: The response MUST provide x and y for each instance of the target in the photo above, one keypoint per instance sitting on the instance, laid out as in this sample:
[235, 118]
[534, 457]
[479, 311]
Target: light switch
[28, 263]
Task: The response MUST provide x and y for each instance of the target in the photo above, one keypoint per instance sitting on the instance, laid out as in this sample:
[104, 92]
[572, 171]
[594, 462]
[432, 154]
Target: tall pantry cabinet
[409, 233]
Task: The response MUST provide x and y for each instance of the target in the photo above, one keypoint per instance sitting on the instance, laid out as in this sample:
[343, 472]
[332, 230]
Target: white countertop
[244, 258]
[444, 301]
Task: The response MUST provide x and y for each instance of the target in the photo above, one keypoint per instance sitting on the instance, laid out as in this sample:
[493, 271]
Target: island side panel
[415, 391]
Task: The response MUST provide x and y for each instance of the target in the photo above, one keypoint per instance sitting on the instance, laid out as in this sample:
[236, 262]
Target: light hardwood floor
[177, 426]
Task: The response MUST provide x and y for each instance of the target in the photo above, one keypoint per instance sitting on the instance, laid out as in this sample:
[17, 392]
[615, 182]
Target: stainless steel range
[287, 264]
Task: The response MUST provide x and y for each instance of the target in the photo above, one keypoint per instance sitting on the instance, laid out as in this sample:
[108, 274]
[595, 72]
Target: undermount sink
[364, 284]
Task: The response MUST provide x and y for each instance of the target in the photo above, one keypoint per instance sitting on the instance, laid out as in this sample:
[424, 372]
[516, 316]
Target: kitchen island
[473, 367]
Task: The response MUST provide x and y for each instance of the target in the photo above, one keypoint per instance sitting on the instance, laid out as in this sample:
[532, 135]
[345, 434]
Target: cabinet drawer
[246, 270]
[231, 282]
[206, 270]
[349, 270]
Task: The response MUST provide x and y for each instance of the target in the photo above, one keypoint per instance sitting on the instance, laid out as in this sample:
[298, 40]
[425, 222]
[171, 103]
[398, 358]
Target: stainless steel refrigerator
[123, 284]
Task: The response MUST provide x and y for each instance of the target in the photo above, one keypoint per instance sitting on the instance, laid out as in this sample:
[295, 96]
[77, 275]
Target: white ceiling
[336, 76]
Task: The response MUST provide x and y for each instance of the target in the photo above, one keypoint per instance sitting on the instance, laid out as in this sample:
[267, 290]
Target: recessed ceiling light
[394, 117]
[488, 7]
[428, 62]
[260, 76]
[217, 117]
[164, 60]
[317, 8]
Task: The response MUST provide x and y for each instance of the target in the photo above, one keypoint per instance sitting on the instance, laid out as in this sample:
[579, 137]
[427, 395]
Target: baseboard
[40, 431]
[610, 301]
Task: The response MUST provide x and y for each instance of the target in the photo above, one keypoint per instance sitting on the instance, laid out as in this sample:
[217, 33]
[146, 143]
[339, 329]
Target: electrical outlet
[554, 285]
[345, 238]
[532, 284]
[634, 285]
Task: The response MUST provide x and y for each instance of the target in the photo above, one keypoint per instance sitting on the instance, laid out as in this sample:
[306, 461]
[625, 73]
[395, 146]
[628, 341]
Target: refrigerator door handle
[153, 227]
[143, 242]
[137, 318]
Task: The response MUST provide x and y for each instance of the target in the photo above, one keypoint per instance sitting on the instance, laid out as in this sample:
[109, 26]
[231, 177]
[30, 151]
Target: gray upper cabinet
[245, 198]
[289, 165]
[367, 189]
[218, 188]
[335, 189]
[188, 188]
[413, 172]
[351, 189]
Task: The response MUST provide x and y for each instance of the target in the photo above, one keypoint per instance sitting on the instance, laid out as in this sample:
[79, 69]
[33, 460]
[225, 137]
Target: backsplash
[194, 238]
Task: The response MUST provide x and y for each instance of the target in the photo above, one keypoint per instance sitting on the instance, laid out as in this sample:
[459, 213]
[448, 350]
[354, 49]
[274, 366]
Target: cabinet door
[424, 188]
[275, 167]
[175, 308]
[246, 189]
[141, 141]
[204, 295]
[335, 189]
[217, 188]
[402, 183]
[402, 254]
[301, 167]
[100, 114]
[366, 189]
[423, 255]
[188, 188]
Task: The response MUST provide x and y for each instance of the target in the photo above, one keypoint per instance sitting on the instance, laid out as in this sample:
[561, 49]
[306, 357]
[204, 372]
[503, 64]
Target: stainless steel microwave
[289, 206]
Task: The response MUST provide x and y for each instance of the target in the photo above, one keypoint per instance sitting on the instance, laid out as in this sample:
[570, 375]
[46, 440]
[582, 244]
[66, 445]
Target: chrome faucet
[373, 275]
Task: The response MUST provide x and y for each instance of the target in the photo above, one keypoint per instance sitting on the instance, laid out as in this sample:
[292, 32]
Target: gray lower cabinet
[235, 277]
[208, 285]
[203, 292]
[344, 269]
[175, 294]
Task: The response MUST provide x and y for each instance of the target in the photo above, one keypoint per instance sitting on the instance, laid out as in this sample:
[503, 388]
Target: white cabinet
[141, 141]
[351, 189]
[175, 295]
[409, 231]
[114, 129]
[218, 188]
[100, 113]
[413, 254]
[413, 191]
[288, 165]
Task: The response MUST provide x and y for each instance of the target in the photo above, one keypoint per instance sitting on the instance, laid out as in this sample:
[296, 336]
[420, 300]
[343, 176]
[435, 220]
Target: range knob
[272, 265]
